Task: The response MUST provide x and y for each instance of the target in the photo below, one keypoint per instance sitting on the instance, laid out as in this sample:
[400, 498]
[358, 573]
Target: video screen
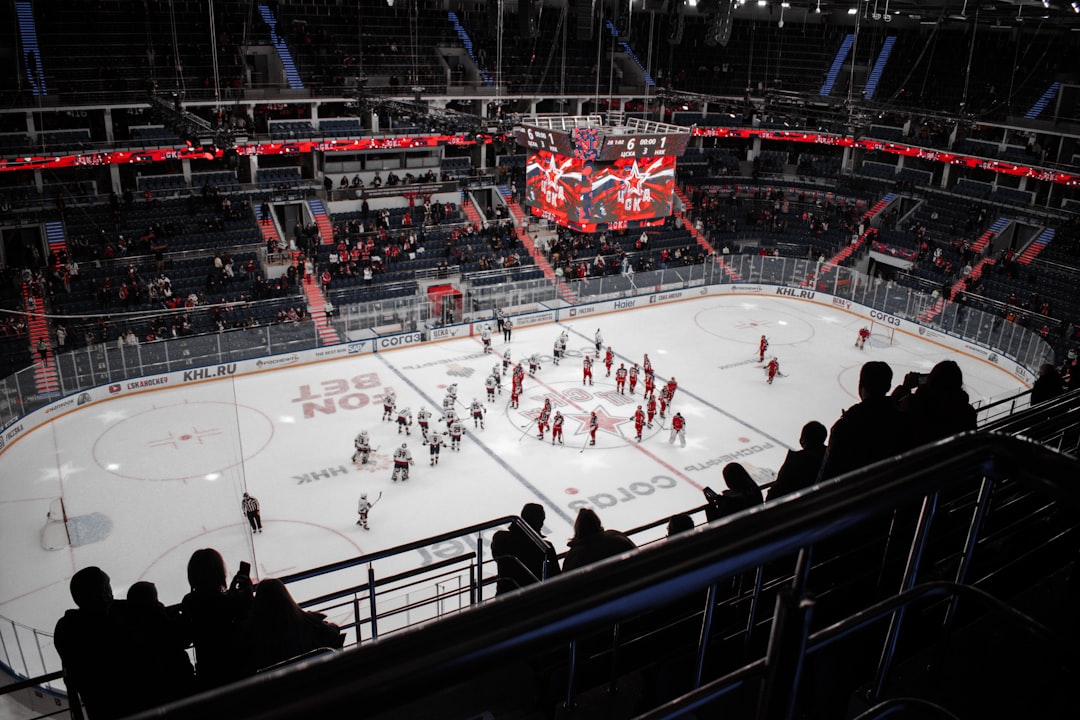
[582, 194]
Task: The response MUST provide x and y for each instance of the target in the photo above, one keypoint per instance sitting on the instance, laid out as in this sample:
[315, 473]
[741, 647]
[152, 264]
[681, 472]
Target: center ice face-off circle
[182, 441]
[738, 323]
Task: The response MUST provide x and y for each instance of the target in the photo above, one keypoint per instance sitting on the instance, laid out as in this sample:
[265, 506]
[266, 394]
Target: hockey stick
[376, 500]
[526, 431]
[585, 445]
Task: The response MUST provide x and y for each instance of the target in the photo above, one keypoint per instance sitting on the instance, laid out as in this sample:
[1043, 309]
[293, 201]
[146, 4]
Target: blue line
[491, 453]
[706, 403]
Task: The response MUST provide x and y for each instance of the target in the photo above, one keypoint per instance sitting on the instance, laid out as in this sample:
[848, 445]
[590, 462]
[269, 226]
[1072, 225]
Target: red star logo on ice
[606, 423]
[634, 181]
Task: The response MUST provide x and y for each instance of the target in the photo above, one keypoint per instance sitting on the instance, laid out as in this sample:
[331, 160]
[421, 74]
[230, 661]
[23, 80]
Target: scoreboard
[616, 147]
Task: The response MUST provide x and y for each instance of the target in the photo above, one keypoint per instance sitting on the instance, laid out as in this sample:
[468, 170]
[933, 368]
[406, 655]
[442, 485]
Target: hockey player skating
[556, 428]
[772, 370]
[560, 347]
[388, 402]
[435, 443]
[449, 417]
[422, 419]
[363, 447]
[451, 391]
[598, 341]
[763, 345]
[646, 366]
[609, 358]
[498, 378]
[671, 387]
[477, 410]
[544, 417]
[650, 385]
[634, 372]
[515, 395]
[489, 385]
[639, 422]
[402, 461]
[864, 335]
[594, 425]
[485, 337]
[664, 401]
[534, 364]
[404, 421]
[650, 411]
[448, 403]
[519, 374]
[678, 429]
[586, 369]
[507, 360]
[620, 379]
[457, 429]
[364, 507]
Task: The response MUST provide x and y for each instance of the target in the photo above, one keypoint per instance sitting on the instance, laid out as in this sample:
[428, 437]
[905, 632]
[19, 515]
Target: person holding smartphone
[212, 613]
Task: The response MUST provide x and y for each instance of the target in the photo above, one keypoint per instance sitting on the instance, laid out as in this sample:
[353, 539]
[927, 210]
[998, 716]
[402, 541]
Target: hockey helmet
[363, 496]
[404, 445]
[638, 407]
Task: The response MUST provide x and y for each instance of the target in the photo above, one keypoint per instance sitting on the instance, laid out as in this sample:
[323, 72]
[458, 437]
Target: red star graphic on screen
[551, 173]
[606, 423]
[634, 180]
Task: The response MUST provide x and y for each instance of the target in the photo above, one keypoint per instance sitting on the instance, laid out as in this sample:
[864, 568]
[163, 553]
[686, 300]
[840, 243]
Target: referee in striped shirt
[251, 508]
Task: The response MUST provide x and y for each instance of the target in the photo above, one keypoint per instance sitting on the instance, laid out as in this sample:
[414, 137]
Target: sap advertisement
[583, 194]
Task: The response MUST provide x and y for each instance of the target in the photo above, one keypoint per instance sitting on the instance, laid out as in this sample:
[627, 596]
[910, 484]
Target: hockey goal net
[54, 536]
[882, 332]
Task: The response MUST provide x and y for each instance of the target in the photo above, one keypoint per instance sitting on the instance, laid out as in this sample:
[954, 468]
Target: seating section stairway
[520, 221]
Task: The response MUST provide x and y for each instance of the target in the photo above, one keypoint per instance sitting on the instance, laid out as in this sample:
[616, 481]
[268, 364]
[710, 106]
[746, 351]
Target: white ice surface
[148, 478]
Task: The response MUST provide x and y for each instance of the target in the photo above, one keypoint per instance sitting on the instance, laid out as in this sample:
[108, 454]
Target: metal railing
[465, 651]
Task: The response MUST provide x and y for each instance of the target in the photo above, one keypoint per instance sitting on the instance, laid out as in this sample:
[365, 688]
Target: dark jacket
[866, 433]
[800, 470]
[212, 620]
[269, 645]
[93, 648]
[520, 560]
[593, 548]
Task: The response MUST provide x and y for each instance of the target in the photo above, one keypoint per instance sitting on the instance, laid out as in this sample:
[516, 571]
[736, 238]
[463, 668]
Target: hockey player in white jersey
[451, 390]
[448, 404]
[404, 421]
[422, 419]
[498, 378]
[402, 461]
[485, 336]
[477, 410]
[534, 363]
[598, 341]
[489, 385]
[507, 360]
[388, 402]
[457, 429]
[363, 508]
[363, 447]
[435, 443]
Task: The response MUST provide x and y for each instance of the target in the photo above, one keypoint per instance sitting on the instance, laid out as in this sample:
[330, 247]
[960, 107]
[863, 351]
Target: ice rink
[149, 477]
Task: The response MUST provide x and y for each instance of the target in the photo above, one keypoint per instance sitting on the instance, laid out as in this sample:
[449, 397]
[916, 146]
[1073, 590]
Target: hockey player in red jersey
[650, 385]
[594, 424]
[542, 420]
[772, 369]
[650, 407]
[634, 372]
[763, 345]
[671, 387]
[663, 400]
[586, 369]
[620, 378]
[864, 335]
[609, 357]
[639, 422]
[678, 429]
[646, 366]
[556, 428]
[515, 395]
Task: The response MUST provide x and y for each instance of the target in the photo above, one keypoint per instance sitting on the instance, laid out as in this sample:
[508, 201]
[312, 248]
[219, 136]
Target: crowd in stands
[122, 656]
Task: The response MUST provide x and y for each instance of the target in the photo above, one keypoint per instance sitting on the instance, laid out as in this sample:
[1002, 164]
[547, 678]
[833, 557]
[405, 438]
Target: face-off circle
[182, 441]
[737, 324]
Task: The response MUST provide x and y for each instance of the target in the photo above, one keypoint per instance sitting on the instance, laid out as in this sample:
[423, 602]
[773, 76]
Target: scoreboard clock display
[618, 147]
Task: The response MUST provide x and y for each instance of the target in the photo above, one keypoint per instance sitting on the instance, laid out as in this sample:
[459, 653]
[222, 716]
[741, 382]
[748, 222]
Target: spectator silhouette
[91, 643]
[801, 467]
[162, 669]
[277, 629]
[592, 543]
[521, 561]
[1047, 386]
[213, 613]
[679, 524]
[870, 430]
[742, 493]
[935, 407]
